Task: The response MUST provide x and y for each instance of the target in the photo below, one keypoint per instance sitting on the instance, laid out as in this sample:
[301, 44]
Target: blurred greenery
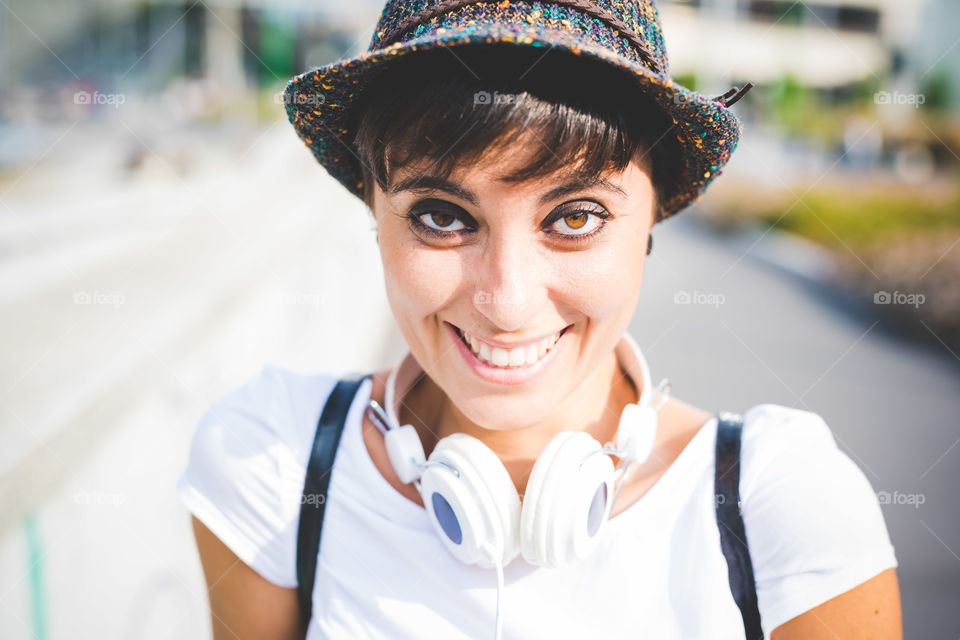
[791, 102]
[688, 79]
[277, 38]
[936, 90]
[861, 218]
[802, 111]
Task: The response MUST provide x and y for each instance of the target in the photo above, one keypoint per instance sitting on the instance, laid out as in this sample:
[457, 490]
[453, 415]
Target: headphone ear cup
[567, 501]
[471, 500]
[531, 529]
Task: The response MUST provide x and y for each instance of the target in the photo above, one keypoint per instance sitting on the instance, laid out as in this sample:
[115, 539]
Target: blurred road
[761, 335]
[130, 306]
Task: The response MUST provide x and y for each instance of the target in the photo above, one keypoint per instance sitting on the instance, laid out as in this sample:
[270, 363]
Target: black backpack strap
[314, 497]
[733, 537]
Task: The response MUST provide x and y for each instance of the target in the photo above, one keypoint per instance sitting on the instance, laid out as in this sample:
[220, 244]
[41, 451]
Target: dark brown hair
[450, 108]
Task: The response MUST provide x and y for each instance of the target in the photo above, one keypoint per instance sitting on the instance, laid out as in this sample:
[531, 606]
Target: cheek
[419, 281]
[603, 282]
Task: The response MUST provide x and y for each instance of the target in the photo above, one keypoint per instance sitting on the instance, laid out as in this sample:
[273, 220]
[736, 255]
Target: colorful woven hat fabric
[320, 103]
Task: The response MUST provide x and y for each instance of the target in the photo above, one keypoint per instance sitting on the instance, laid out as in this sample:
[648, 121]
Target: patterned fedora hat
[626, 33]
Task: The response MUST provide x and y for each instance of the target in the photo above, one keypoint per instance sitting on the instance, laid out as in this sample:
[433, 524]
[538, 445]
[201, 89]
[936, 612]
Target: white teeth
[519, 357]
[532, 355]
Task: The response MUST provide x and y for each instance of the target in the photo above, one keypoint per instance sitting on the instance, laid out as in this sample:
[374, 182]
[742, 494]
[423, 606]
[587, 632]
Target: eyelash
[414, 218]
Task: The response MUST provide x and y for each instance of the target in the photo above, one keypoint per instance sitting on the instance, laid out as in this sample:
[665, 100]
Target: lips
[520, 356]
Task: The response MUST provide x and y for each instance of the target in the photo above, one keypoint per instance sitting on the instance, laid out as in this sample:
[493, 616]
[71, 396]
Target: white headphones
[472, 501]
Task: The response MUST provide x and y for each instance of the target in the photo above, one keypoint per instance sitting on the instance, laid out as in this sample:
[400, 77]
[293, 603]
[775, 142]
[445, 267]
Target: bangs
[437, 110]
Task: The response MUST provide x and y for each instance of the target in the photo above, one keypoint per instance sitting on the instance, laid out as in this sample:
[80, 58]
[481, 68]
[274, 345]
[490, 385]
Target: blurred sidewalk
[130, 307]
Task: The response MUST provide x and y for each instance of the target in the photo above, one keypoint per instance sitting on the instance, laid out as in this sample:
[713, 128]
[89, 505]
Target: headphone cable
[498, 565]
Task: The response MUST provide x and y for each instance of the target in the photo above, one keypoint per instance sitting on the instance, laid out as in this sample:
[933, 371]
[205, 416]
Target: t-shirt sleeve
[813, 521]
[244, 474]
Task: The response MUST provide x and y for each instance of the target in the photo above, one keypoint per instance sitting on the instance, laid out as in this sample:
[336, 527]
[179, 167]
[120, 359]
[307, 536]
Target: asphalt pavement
[732, 328]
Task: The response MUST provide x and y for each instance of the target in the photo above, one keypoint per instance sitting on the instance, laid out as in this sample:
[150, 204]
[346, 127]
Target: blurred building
[936, 49]
[133, 42]
[820, 43]
[823, 43]
[167, 62]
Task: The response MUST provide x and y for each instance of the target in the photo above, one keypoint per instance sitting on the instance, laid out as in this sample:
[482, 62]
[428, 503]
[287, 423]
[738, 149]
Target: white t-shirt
[812, 520]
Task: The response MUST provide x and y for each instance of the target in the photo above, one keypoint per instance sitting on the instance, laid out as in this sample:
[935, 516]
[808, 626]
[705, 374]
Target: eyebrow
[436, 183]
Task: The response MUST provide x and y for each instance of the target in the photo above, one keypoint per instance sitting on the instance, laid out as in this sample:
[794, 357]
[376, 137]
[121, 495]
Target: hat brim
[319, 105]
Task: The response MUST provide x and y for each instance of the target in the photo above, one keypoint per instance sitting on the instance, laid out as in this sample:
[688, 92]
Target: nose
[507, 279]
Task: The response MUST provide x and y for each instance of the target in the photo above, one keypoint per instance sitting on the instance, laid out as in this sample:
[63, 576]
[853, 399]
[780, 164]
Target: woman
[515, 157]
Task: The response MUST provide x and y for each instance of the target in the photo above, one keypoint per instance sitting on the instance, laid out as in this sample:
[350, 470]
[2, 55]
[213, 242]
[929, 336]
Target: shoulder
[790, 461]
[813, 521]
[772, 432]
[795, 450]
[276, 405]
[245, 467]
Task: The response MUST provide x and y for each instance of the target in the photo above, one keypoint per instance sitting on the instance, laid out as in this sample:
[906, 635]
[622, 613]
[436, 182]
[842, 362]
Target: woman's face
[509, 266]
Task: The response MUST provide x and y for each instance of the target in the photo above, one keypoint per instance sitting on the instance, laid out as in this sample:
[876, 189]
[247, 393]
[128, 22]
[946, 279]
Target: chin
[503, 413]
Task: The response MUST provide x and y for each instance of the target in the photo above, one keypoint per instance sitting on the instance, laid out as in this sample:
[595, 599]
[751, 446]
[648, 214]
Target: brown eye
[442, 219]
[438, 218]
[576, 220]
[579, 224]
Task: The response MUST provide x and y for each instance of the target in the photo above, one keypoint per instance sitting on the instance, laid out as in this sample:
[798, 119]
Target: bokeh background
[164, 234]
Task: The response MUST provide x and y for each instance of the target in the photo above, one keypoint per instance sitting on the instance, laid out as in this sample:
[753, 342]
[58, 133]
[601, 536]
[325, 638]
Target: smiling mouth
[509, 358]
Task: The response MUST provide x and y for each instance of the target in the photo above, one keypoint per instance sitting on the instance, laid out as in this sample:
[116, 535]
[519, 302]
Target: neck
[594, 407]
